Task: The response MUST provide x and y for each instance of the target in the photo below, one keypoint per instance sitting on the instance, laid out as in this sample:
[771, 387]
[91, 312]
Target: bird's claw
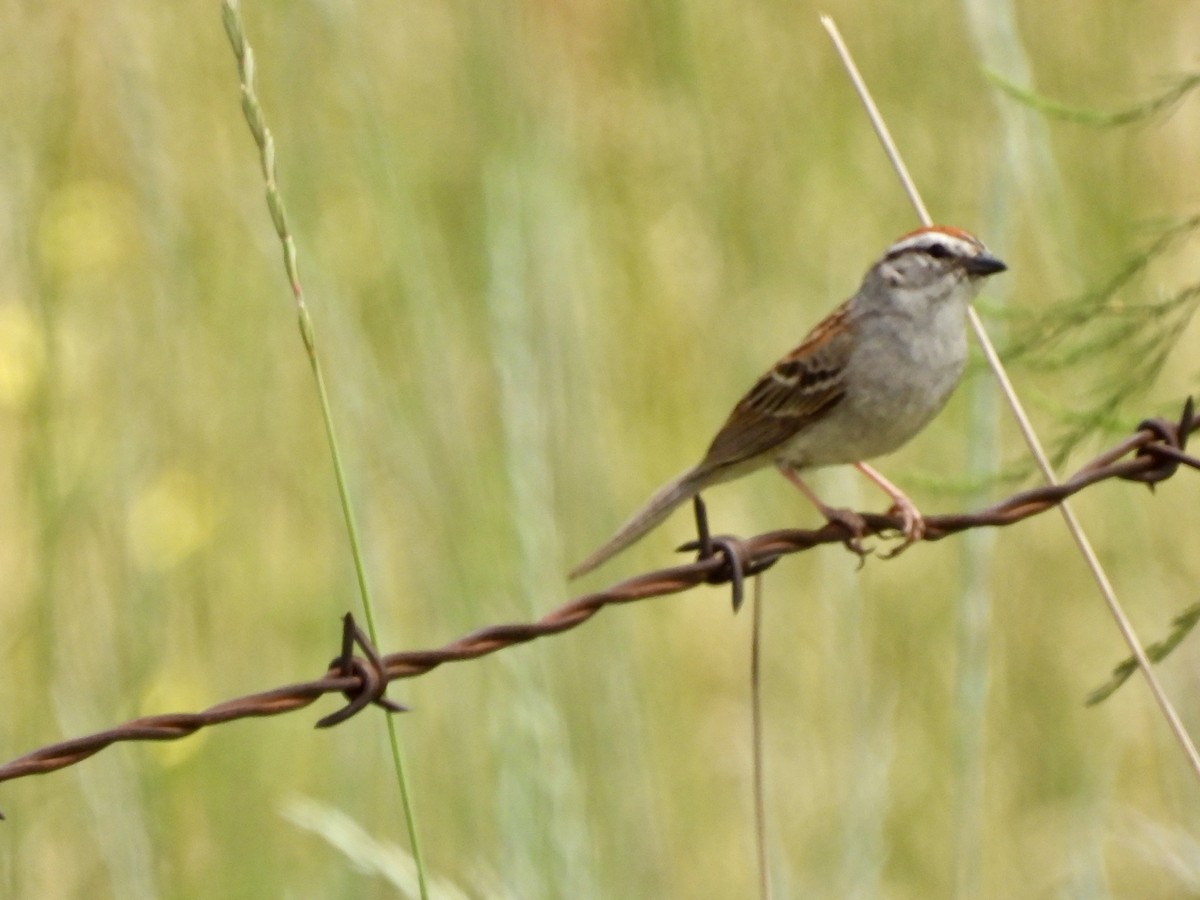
[913, 528]
[856, 529]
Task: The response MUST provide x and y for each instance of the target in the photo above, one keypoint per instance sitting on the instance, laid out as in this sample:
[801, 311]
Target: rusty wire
[1150, 455]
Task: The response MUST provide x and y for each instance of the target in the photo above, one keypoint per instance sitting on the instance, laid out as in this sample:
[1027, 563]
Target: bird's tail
[668, 497]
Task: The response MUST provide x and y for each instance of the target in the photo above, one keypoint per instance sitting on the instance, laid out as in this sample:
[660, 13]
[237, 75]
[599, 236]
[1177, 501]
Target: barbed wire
[1151, 455]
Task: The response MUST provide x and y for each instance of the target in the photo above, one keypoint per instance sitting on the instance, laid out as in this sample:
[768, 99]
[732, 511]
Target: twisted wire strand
[1151, 455]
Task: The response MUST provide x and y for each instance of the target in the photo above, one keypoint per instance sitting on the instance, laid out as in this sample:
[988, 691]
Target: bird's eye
[939, 251]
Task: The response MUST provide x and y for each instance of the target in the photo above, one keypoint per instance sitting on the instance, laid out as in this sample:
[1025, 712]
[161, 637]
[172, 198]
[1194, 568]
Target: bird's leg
[914, 522]
[847, 518]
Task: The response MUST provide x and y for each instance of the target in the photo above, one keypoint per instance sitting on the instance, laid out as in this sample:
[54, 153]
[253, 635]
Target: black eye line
[937, 251]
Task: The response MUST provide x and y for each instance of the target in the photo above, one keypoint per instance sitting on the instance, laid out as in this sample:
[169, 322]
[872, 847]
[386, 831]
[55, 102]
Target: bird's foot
[913, 528]
[856, 529]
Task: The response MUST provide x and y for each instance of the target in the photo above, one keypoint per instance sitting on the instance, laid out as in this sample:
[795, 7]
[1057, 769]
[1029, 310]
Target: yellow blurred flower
[170, 519]
[22, 355]
[86, 226]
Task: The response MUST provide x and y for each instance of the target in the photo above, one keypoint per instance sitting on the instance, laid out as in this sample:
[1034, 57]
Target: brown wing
[803, 385]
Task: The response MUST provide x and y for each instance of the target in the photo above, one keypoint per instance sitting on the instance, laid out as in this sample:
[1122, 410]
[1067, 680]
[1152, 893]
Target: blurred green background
[546, 245]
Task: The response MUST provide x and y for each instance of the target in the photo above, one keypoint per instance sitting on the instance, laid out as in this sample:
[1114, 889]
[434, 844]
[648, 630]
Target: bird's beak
[984, 264]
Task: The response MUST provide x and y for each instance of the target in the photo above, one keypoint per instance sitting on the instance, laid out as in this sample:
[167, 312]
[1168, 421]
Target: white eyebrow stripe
[925, 239]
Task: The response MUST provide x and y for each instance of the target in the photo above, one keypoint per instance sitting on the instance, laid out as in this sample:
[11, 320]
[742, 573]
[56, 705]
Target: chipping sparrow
[864, 381]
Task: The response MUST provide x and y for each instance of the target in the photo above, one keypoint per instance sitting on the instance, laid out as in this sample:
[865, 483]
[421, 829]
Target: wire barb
[729, 548]
[371, 674]
[1168, 448]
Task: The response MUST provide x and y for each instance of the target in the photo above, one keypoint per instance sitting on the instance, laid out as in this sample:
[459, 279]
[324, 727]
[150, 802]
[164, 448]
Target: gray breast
[899, 377]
